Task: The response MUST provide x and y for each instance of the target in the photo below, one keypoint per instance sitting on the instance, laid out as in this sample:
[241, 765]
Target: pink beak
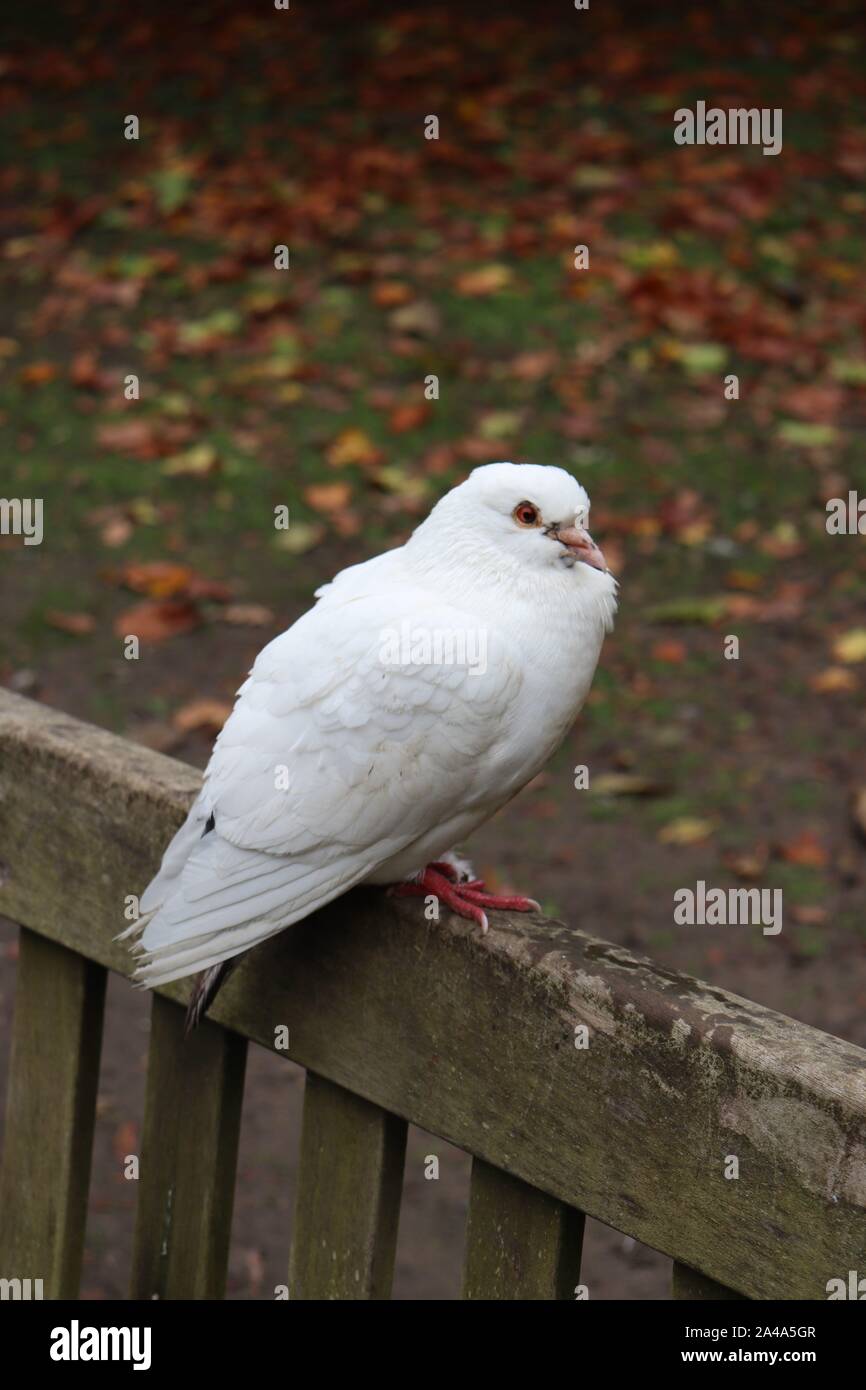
[581, 545]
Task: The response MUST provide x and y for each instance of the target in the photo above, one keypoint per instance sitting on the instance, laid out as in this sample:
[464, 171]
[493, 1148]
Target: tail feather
[205, 989]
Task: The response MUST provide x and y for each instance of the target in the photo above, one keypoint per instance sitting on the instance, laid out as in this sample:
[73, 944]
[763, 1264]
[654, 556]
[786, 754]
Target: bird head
[534, 518]
[539, 515]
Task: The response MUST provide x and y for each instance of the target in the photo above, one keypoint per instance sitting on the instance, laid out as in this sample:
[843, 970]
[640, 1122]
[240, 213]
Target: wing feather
[333, 760]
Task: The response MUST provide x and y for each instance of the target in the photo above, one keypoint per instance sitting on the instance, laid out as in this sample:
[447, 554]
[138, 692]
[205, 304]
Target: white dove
[420, 693]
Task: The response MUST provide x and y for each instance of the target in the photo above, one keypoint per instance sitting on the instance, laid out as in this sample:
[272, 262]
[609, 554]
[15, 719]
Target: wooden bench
[402, 1020]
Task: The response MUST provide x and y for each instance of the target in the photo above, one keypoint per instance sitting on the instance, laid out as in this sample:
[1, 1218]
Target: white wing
[332, 762]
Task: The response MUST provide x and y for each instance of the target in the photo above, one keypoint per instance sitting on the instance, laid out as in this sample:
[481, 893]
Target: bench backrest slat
[50, 1113]
[189, 1150]
[520, 1243]
[348, 1202]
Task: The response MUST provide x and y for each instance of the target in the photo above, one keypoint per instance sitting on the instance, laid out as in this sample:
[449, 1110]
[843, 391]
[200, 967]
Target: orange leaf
[202, 714]
[84, 371]
[672, 652]
[532, 366]
[743, 579]
[485, 279]
[154, 622]
[809, 915]
[389, 293]
[805, 849]
[37, 374]
[438, 460]
[78, 624]
[749, 864]
[328, 497]
[156, 578]
[137, 437]
[409, 417]
[832, 680]
[168, 579]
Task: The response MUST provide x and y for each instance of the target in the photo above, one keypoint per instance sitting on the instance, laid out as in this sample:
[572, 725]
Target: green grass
[217, 181]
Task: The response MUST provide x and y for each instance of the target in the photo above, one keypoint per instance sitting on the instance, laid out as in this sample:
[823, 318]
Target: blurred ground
[304, 388]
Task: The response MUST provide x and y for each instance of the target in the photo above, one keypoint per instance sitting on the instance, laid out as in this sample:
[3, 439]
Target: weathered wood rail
[399, 1020]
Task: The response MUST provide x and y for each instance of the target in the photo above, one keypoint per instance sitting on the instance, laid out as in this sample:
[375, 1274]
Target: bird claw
[508, 902]
[465, 899]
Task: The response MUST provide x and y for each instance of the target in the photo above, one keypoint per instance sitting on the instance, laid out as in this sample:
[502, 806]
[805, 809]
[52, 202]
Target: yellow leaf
[197, 462]
[352, 445]
[300, 537]
[402, 484]
[624, 784]
[851, 646]
[688, 830]
[486, 279]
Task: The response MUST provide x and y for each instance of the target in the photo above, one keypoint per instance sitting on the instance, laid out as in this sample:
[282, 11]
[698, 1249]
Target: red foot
[466, 899]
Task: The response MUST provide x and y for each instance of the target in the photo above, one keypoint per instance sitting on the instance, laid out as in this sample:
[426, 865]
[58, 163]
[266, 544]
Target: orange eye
[525, 514]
